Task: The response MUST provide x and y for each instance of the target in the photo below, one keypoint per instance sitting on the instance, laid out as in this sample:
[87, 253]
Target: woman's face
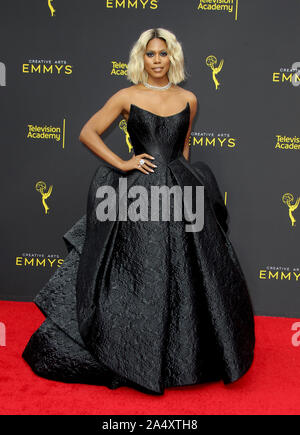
[156, 58]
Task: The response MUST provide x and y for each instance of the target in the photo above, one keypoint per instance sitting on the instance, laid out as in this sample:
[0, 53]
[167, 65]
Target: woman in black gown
[146, 303]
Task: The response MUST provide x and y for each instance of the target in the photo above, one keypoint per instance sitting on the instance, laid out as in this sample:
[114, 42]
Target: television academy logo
[289, 143]
[47, 132]
[219, 6]
[119, 69]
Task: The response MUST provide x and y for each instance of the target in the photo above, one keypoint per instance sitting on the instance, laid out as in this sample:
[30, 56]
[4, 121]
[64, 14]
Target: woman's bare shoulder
[189, 95]
[128, 91]
[125, 95]
[121, 100]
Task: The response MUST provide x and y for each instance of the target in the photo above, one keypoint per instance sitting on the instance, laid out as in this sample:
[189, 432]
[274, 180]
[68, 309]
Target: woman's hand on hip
[134, 163]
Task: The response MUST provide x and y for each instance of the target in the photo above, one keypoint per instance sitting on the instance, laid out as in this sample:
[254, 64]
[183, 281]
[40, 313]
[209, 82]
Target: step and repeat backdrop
[61, 60]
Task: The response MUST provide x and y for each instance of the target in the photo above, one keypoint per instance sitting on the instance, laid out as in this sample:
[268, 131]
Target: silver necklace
[158, 88]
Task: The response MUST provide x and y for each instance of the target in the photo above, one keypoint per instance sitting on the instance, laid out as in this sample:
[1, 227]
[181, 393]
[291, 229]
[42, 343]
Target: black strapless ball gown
[147, 304]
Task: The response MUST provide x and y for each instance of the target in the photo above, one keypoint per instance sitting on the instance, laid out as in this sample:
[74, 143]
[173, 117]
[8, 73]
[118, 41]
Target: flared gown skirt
[146, 304]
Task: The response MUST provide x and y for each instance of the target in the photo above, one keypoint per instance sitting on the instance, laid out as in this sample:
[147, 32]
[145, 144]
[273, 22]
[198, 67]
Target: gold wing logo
[287, 199]
[41, 187]
[123, 126]
[211, 61]
[52, 10]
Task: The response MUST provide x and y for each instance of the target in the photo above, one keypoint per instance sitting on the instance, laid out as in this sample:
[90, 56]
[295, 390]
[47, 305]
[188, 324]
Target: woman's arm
[98, 123]
[193, 105]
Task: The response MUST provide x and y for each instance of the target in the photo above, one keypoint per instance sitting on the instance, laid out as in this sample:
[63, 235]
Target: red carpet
[271, 386]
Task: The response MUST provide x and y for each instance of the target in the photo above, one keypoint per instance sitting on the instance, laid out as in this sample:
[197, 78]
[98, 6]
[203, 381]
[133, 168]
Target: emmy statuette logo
[41, 187]
[287, 199]
[211, 61]
[52, 10]
[123, 126]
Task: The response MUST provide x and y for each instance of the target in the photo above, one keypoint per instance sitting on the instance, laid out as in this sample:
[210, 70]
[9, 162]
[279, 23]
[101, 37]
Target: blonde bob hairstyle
[136, 72]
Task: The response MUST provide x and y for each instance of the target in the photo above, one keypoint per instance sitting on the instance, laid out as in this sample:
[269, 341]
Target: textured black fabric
[147, 304]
